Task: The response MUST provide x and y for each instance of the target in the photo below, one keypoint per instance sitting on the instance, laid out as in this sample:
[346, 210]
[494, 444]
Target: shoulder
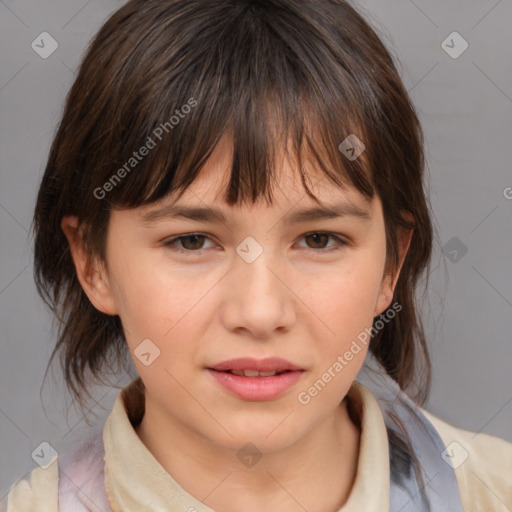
[40, 488]
[73, 481]
[81, 477]
[482, 465]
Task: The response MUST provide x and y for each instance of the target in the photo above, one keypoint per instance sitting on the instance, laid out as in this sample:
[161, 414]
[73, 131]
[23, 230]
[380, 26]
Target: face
[258, 285]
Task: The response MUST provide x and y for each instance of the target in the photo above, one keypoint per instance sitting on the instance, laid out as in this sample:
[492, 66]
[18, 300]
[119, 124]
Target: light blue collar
[440, 487]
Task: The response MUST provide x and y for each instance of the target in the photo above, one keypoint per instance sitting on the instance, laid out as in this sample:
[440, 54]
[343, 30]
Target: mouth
[252, 373]
[255, 385]
[252, 379]
[252, 367]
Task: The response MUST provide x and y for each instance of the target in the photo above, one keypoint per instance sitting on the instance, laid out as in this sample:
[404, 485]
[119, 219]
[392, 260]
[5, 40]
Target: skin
[296, 301]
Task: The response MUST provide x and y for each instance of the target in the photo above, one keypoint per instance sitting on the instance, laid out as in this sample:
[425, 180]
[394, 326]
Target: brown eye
[192, 242]
[196, 242]
[319, 240]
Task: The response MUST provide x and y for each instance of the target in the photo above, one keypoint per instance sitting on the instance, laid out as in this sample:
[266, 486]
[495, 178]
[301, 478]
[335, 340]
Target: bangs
[258, 81]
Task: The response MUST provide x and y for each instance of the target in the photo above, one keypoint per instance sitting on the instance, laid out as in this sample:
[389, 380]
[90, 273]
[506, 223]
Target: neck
[316, 473]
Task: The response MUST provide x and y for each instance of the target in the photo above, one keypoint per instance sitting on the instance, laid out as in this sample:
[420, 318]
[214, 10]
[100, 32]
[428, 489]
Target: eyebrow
[215, 215]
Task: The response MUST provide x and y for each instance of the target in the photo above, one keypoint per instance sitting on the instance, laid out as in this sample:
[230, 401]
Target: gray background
[465, 105]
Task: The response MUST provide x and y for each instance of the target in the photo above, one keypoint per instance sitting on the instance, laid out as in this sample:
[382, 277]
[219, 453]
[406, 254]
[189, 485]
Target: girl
[235, 198]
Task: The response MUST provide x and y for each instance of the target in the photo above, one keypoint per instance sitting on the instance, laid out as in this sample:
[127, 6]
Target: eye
[319, 238]
[191, 242]
[194, 242]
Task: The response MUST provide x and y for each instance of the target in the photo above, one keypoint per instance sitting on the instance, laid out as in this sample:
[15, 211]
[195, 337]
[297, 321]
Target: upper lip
[261, 365]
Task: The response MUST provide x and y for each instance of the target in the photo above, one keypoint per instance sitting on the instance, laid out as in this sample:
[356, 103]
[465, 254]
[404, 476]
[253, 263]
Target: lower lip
[257, 388]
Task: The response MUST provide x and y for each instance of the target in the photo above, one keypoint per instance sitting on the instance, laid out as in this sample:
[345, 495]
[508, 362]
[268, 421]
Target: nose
[259, 299]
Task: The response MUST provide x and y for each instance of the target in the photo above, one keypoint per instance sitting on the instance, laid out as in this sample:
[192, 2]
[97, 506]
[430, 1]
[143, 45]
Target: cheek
[140, 296]
[345, 299]
[158, 304]
[345, 307]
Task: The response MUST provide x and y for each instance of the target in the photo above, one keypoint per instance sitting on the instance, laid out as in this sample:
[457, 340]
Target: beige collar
[135, 480]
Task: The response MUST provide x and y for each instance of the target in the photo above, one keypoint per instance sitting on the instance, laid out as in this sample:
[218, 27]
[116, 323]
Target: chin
[265, 436]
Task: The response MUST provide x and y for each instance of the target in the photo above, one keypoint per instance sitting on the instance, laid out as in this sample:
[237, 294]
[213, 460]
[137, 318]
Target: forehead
[286, 184]
[204, 199]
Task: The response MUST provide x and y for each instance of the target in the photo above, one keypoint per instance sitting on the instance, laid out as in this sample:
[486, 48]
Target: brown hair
[310, 71]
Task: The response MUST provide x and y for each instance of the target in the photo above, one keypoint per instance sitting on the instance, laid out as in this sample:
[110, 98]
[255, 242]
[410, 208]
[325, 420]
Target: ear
[89, 270]
[388, 284]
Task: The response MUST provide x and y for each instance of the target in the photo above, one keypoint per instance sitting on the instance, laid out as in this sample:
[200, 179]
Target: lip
[256, 388]
[262, 365]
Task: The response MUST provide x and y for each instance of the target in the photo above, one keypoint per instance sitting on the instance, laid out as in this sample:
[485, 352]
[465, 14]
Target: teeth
[253, 373]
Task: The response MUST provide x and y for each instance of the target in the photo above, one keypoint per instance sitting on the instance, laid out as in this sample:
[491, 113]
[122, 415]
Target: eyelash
[340, 242]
